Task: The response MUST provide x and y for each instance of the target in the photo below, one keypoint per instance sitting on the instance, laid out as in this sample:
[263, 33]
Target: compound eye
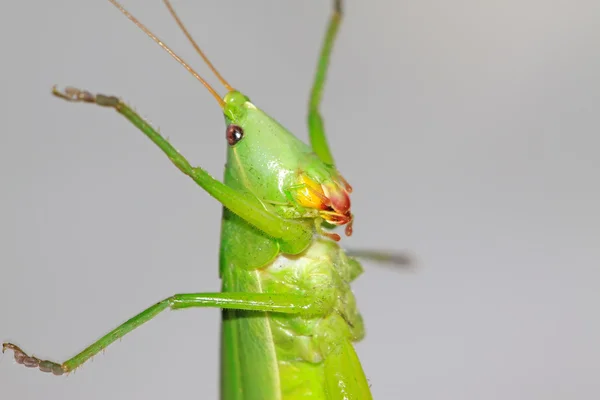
[234, 134]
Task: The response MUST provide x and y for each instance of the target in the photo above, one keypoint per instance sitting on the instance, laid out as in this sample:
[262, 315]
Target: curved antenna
[193, 42]
[168, 50]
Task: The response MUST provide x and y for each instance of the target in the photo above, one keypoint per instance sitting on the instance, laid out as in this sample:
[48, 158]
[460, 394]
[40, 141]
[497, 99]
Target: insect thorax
[324, 272]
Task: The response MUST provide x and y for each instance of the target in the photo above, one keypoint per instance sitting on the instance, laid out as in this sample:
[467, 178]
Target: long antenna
[193, 42]
[168, 50]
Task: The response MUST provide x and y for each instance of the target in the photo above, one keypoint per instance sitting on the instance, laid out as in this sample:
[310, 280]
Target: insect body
[289, 316]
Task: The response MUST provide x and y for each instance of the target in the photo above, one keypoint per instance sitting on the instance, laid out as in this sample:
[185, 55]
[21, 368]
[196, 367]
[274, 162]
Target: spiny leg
[316, 129]
[266, 302]
[293, 234]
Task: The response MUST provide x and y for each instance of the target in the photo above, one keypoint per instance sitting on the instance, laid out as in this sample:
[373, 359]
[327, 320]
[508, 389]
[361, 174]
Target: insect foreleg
[293, 236]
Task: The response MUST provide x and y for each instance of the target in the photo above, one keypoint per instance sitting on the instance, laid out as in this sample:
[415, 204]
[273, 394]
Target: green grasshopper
[289, 315]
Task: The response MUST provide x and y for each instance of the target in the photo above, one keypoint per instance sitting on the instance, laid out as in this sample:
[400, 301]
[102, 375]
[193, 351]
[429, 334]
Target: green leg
[394, 258]
[293, 233]
[315, 121]
[281, 303]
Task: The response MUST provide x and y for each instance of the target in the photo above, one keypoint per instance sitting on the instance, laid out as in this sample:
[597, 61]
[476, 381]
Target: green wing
[249, 368]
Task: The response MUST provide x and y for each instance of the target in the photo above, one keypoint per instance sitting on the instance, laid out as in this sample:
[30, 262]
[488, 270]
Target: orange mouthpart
[330, 198]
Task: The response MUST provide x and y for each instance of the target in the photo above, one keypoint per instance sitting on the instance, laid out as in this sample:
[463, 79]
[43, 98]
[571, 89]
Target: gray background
[469, 129]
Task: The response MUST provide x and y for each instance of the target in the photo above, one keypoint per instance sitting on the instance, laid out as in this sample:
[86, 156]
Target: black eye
[234, 134]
